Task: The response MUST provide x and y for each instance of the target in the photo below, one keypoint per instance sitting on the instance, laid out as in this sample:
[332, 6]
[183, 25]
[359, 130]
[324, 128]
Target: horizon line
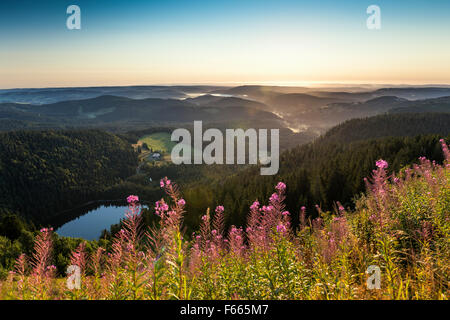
[299, 84]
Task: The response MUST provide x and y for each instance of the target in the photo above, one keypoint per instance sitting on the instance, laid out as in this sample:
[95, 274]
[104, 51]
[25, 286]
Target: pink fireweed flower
[285, 213]
[302, 217]
[445, 149]
[181, 202]
[281, 228]
[318, 209]
[220, 209]
[274, 197]
[382, 164]
[266, 209]
[132, 199]
[255, 205]
[280, 186]
[164, 182]
[161, 207]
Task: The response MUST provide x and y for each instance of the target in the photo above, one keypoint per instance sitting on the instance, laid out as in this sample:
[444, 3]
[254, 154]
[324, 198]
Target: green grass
[159, 141]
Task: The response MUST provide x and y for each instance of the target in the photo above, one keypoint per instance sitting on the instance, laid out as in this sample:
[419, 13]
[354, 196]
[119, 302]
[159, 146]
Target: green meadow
[159, 141]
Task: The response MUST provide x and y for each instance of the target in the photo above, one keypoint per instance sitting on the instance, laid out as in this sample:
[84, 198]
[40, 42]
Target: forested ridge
[406, 124]
[318, 173]
[44, 172]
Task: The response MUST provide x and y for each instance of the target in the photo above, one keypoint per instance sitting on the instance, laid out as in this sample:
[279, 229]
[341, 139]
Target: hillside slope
[43, 172]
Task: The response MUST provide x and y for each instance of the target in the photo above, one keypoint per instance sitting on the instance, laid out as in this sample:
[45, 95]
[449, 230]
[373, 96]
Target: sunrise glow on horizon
[233, 42]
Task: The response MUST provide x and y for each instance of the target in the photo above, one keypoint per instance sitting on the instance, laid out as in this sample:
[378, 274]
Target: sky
[223, 42]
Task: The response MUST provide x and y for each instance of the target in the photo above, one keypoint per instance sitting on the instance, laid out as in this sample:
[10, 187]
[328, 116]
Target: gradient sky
[232, 41]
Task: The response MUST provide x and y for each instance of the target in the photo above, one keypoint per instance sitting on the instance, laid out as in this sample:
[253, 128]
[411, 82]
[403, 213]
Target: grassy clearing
[159, 141]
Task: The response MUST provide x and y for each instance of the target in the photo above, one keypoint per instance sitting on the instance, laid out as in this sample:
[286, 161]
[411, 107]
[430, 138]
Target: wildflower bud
[132, 199]
[382, 164]
[164, 182]
[220, 209]
[280, 186]
[274, 197]
[255, 205]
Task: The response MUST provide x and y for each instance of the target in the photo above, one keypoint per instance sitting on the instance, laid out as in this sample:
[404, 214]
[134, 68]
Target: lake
[90, 225]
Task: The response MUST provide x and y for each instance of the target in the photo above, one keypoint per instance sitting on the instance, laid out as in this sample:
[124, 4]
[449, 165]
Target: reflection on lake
[90, 225]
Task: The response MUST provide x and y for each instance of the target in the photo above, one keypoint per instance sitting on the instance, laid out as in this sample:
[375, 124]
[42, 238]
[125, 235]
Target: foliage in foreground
[401, 225]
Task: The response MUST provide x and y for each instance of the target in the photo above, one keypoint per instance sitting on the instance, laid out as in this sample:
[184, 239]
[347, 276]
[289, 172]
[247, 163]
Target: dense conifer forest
[44, 172]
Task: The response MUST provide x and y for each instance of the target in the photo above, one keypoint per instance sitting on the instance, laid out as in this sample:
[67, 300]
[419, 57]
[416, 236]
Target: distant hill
[203, 99]
[344, 96]
[414, 93]
[301, 109]
[259, 92]
[105, 109]
[429, 105]
[298, 102]
[366, 108]
[390, 125]
[52, 95]
[225, 101]
[236, 102]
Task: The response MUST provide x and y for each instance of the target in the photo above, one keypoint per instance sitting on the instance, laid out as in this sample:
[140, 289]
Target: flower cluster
[132, 199]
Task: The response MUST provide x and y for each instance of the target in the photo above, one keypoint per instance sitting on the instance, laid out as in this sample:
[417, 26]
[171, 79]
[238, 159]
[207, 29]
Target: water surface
[90, 225]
